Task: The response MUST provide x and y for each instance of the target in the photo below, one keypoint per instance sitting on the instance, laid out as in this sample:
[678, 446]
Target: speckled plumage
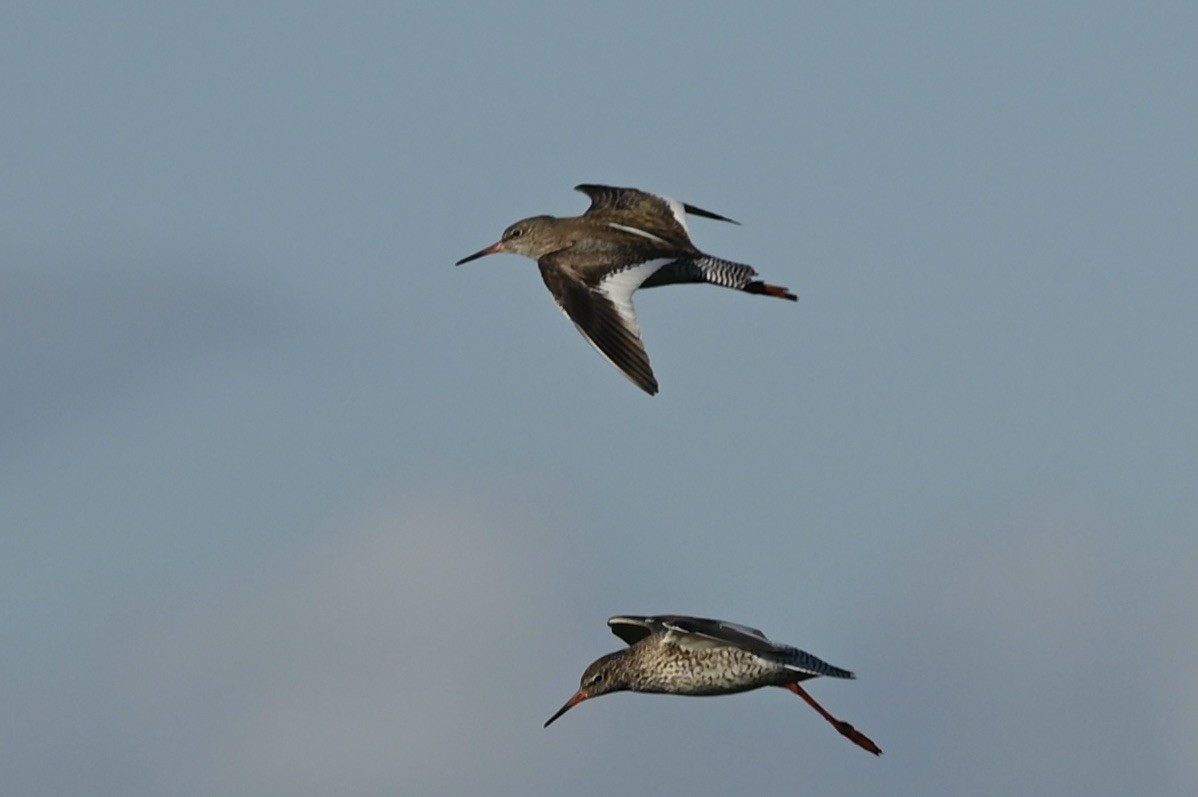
[626, 240]
[681, 655]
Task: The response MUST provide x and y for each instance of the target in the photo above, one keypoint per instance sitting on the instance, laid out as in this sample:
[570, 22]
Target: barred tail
[715, 271]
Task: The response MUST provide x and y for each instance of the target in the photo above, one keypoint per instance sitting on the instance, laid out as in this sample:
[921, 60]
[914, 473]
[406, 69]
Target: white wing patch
[677, 209]
[619, 286]
[744, 629]
[695, 640]
[688, 641]
[636, 231]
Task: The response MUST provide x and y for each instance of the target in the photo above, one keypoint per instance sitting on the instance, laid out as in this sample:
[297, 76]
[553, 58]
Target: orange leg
[757, 286]
[855, 736]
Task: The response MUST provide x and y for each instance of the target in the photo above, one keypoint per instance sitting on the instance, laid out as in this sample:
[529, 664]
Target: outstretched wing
[632, 629]
[658, 213]
[602, 311]
[692, 632]
[698, 633]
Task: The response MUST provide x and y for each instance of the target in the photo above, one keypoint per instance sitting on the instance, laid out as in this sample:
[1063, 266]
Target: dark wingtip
[594, 189]
[707, 214]
[644, 379]
[647, 384]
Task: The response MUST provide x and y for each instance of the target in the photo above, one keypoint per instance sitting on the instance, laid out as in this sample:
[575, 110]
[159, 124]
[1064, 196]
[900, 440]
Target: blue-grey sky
[290, 505]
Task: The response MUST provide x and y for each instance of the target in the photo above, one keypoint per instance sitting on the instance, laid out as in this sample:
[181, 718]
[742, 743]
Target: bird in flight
[627, 239]
[679, 655]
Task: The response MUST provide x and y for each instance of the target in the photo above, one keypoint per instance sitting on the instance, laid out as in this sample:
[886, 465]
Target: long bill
[490, 250]
[579, 696]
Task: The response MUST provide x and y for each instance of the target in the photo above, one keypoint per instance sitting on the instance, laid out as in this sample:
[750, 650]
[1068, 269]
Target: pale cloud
[370, 664]
[1045, 651]
[406, 654]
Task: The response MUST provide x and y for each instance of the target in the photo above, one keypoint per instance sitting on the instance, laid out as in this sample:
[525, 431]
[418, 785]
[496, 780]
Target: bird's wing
[698, 633]
[642, 203]
[631, 629]
[694, 633]
[601, 308]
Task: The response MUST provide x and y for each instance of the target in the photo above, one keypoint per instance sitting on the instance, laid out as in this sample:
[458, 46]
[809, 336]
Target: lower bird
[627, 239]
[679, 655]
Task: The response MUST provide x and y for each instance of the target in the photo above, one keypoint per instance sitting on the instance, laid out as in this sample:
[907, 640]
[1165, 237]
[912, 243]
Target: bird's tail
[715, 271]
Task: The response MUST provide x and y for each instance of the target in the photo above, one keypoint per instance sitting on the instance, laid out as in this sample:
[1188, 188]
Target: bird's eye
[596, 678]
[516, 233]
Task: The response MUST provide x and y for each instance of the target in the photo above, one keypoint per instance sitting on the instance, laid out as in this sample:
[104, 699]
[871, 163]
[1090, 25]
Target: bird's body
[692, 656]
[628, 239]
[676, 654]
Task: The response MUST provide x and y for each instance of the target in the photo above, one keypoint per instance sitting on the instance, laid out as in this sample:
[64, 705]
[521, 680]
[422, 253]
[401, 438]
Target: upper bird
[627, 239]
[680, 655]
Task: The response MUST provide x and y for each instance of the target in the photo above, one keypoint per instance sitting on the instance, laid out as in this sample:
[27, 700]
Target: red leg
[757, 286]
[855, 736]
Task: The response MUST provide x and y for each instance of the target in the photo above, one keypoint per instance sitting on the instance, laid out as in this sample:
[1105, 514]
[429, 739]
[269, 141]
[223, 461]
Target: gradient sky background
[291, 506]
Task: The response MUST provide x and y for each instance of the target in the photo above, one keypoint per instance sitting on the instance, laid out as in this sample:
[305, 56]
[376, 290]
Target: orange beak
[490, 250]
[579, 696]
